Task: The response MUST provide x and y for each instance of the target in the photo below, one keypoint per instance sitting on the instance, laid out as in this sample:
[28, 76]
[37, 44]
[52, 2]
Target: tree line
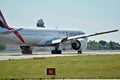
[92, 44]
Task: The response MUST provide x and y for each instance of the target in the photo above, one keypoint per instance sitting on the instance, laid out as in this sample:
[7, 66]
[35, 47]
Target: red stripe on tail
[10, 28]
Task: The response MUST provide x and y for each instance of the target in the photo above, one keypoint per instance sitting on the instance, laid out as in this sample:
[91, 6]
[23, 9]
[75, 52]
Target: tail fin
[2, 21]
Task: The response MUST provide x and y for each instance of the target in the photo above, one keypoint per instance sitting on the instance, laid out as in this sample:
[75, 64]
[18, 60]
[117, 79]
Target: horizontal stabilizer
[10, 31]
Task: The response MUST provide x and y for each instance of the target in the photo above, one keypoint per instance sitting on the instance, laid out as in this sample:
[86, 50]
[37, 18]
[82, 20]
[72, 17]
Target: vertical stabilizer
[2, 20]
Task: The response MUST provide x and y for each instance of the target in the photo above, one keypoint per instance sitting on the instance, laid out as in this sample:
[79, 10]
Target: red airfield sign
[50, 71]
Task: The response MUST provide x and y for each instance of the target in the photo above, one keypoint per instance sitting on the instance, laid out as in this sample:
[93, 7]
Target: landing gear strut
[56, 51]
[26, 49]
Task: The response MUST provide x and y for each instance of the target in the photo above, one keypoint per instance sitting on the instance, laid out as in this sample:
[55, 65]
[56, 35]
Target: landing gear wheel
[27, 52]
[79, 52]
[56, 52]
[26, 49]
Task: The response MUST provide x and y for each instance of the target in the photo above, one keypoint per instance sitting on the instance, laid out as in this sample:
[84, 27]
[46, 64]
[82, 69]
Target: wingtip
[116, 30]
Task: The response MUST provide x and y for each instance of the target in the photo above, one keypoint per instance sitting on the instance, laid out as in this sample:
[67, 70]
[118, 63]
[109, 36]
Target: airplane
[27, 38]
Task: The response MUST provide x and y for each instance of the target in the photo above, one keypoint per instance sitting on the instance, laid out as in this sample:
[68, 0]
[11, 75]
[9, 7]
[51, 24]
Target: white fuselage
[37, 36]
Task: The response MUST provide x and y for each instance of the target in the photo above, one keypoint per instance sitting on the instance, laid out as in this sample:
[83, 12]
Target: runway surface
[18, 55]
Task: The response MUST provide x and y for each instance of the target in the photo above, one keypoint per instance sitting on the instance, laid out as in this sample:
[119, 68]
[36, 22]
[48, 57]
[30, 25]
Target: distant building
[40, 23]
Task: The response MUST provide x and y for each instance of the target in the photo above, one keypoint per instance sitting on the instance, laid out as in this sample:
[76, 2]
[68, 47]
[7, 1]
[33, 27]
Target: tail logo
[4, 25]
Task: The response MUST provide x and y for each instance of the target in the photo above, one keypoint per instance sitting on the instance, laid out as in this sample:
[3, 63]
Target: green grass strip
[82, 66]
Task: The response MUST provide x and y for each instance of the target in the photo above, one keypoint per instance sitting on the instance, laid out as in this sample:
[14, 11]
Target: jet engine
[79, 44]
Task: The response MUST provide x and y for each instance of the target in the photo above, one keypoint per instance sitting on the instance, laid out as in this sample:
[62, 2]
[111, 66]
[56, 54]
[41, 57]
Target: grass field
[81, 66]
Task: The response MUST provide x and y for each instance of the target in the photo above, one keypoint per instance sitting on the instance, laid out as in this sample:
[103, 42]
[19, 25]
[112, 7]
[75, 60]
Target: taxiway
[18, 55]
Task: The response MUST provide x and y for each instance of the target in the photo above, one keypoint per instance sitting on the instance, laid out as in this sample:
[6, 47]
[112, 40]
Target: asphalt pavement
[18, 55]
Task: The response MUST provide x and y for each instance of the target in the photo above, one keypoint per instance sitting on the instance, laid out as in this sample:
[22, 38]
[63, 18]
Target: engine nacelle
[79, 44]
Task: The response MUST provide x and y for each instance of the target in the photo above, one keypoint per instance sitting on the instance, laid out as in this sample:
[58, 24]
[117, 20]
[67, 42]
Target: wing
[57, 41]
[10, 31]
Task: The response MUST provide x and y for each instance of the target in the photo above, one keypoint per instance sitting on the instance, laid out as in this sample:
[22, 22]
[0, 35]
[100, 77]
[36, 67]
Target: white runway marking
[7, 56]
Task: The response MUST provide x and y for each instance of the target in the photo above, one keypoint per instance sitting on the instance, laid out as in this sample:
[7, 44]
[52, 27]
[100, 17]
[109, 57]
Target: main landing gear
[79, 52]
[56, 51]
[26, 49]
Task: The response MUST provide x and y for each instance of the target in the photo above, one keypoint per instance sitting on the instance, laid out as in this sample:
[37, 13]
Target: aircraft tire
[27, 52]
[56, 52]
[79, 52]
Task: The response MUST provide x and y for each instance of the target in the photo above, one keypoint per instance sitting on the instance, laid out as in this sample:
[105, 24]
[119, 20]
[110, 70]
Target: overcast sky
[86, 15]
